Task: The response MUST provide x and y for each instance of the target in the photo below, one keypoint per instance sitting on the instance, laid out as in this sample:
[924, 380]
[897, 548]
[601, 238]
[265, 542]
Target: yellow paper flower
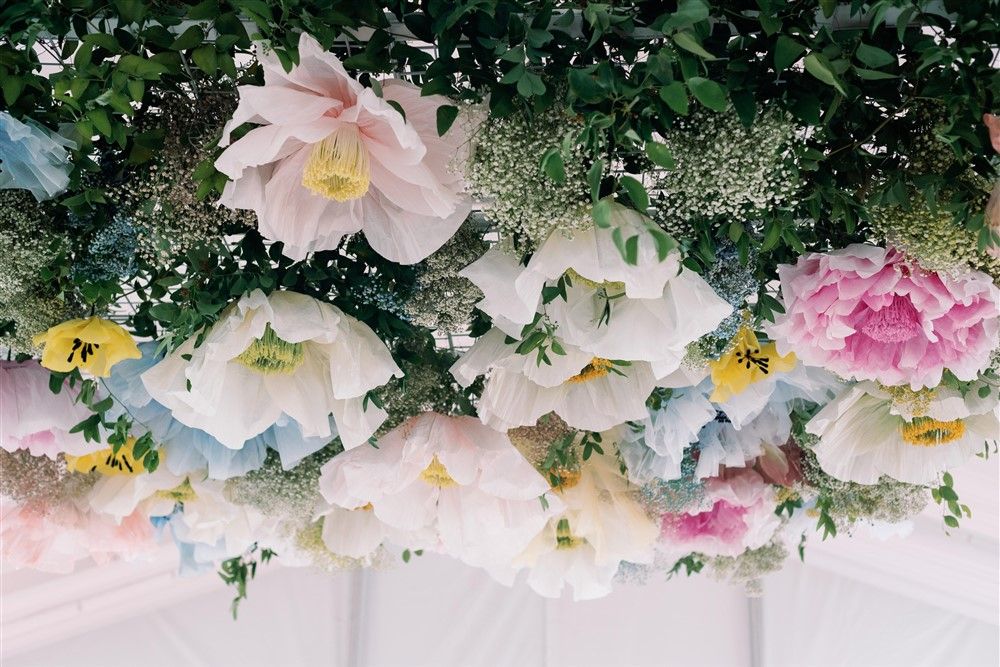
[92, 344]
[746, 362]
[106, 462]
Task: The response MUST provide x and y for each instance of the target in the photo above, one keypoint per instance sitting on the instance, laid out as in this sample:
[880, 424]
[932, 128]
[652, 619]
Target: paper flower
[32, 158]
[869, 431]
[185, 449]
[268, 356]
[649, 311]
[746, 362]
[738, 515]
[55, 539]
[92, 344]
[332, 158]
[602, 526]
[588, 392]
[444, 483]
[34, 418]
[868, 313]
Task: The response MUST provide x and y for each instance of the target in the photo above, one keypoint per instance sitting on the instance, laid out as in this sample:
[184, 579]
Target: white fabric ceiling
[926, 600]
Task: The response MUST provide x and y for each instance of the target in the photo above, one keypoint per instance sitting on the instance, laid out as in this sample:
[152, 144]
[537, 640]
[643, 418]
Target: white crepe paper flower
[864, 433]
[443, 483]
[285, 353]
[649, 311]
[602, 526]
[588, 392]
[331, 157]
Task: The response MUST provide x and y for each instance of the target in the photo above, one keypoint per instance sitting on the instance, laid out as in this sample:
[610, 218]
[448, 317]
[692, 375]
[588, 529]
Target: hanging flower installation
[552, 301]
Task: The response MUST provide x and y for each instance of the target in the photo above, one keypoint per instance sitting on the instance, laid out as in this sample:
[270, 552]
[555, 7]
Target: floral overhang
[591, 294]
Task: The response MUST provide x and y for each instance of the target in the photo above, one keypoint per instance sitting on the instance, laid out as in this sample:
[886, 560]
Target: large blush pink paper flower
[332, 158]
[869, 313]
[33, 418]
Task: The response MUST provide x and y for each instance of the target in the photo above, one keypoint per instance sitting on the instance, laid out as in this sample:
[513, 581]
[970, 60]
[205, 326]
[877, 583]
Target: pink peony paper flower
[332, 158]
[55, 539]
[740, 516]
[869, 313]
[33, 418]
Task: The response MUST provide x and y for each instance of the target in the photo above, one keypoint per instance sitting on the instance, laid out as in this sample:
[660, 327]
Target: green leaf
[446, 115]
[12, 87]
[951, 522]
[689, 42]
[585, 86]
[675, 95]
[601, 212]
[632, 252]
[817, 65]
[660, 155]
[141, 67]
[872, 75]
[594, 175]
[189, 39]
[205, 58]
[636, 192]
[102, 122]
[552, 165]
[786, 52]
[874, 56]
[708, 92]
[136, 89]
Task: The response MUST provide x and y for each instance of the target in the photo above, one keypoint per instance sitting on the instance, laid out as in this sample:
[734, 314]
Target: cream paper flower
[284, 353]
[608, 308]
[869, 431]
[588, 392]
[583, 546]
[443, 483]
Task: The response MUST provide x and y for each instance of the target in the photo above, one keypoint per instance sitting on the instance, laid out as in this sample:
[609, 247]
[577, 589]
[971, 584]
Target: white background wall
[927, 600]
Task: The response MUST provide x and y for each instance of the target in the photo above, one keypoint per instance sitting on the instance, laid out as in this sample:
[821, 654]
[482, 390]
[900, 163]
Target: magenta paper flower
[332, 158]
[869, 313]
[740, 516]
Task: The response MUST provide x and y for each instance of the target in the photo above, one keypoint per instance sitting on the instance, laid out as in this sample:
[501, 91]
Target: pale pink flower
[870, 313]
[33, 418]
[332, 158]
[739, 515]
[55, 539]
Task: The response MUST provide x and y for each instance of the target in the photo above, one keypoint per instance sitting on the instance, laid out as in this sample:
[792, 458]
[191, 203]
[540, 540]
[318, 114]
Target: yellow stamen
[927, 432]
[437, 475]
[182, 493]
[612, 287]
[565, 539]
[367, 507]
[269, 354]
[597, 368]
[338, 167]
[564, 478]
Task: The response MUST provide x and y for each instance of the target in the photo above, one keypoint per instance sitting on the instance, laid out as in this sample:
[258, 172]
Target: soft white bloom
[285, 353]
[588, 392]
[613, 310]
[444, 483]
[602, 526]
[802, 384]
[864, 433]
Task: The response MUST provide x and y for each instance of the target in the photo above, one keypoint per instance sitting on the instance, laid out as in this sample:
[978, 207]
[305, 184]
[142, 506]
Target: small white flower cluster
[750, 566]
[161, 199]
[505, 174]
[40, 481]
[726, 170]
[441, 299]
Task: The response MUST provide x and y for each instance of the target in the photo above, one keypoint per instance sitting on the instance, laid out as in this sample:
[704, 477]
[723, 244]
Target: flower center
[271, 355]
[338, 167]
[927, 432]
[610, 286]
[182, 493]
[896, 323]
[565, 539]
[563, 478]
[597, 368]
[106, 461]
[84, 348]
[437, 475]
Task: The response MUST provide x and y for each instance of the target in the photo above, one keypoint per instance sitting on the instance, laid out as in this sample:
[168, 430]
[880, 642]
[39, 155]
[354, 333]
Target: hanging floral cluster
[287, 307]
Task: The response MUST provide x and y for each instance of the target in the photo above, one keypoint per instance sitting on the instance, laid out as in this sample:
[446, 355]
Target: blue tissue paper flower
[32, 158]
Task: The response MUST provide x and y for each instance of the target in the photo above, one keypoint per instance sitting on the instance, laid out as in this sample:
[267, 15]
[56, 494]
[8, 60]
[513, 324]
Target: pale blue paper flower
[187, 449]
[32, 158]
